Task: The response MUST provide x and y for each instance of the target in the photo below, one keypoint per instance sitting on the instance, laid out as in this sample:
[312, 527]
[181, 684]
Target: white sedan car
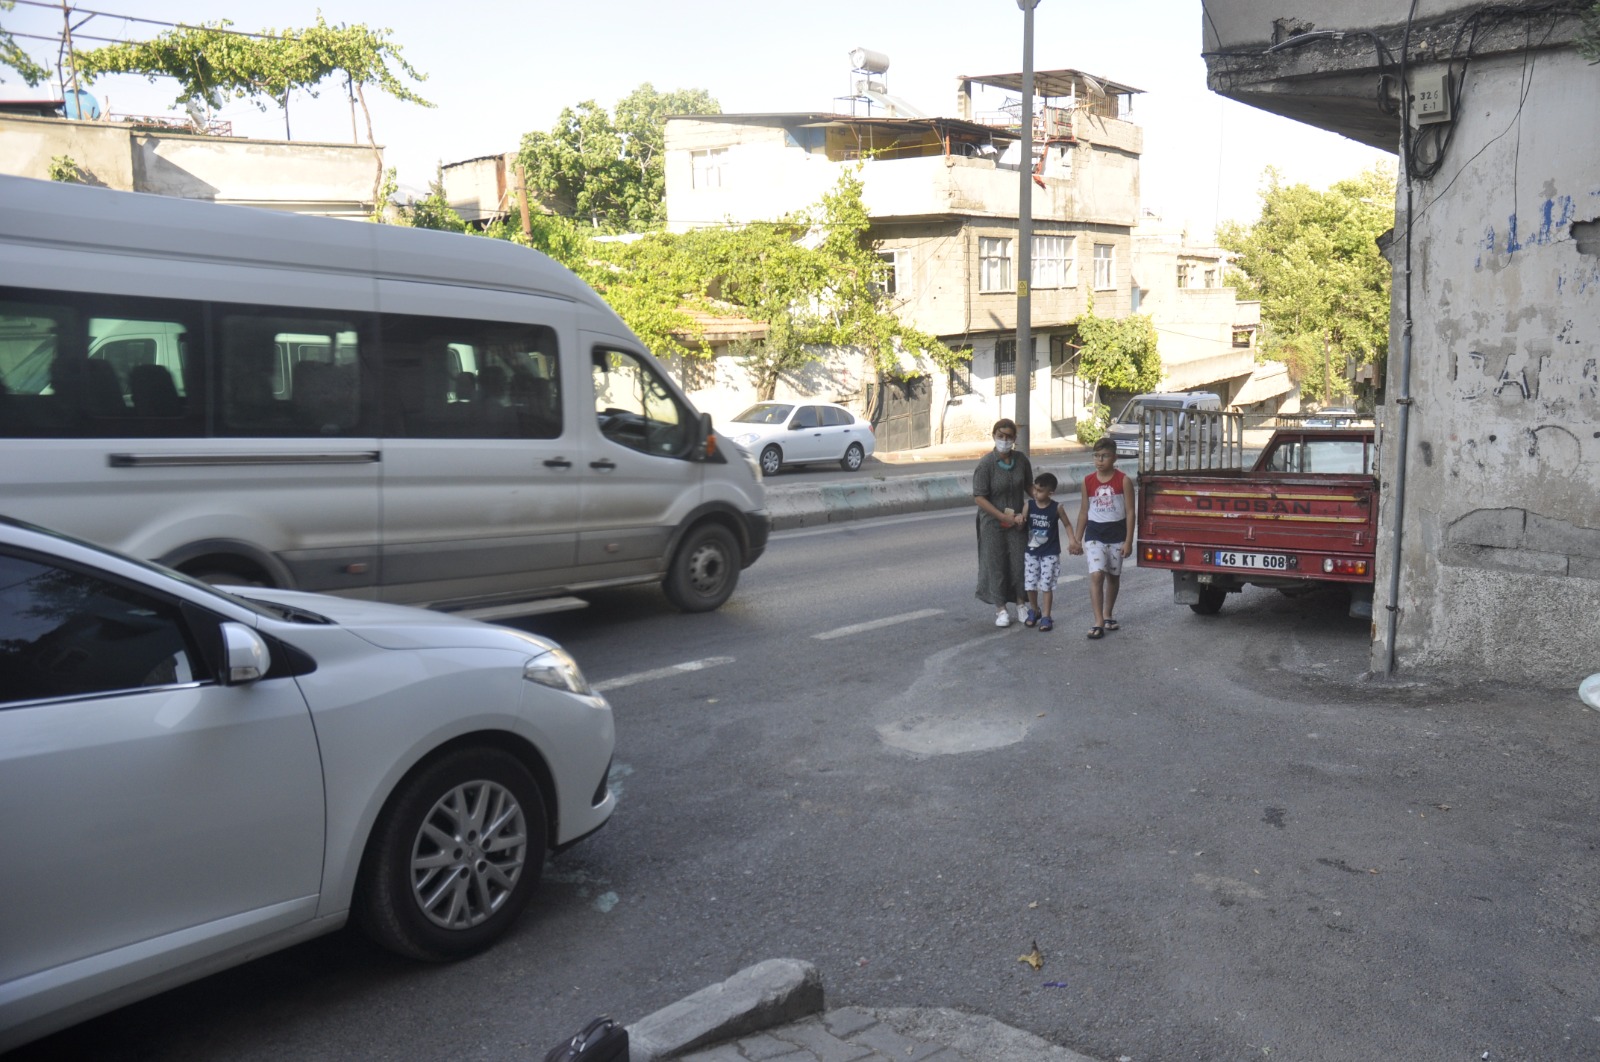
[798, 433]
[190, 778]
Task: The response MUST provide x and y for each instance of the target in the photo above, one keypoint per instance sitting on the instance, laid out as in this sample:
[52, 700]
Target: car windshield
[765, 413]
[1130, 412]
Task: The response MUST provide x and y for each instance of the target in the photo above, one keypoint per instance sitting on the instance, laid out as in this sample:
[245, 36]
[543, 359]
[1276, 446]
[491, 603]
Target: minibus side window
[283, 372]
[452, 379]
[637, 409]
[97, 366]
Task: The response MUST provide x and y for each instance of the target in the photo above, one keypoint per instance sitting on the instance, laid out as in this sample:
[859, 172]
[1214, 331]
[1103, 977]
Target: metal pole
[1024, 362]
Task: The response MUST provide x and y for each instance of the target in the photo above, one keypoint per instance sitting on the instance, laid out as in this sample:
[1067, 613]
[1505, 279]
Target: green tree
[12, 55]
[211, 64]
[815, 280]
[1313, 260]
[1121, 353]
[433, 211]
[609, 171]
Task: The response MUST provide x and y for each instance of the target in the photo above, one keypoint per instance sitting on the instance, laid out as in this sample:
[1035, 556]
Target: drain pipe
[1404, 398]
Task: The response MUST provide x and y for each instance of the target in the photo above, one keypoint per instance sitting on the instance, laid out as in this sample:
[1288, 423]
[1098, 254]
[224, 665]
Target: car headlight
[746, 439]
[556, 668]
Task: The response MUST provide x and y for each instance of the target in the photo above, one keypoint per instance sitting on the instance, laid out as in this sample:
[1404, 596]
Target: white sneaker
[1002, 619]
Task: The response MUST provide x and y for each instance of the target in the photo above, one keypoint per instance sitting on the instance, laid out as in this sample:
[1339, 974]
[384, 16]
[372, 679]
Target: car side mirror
[245, 656]
[706, 446]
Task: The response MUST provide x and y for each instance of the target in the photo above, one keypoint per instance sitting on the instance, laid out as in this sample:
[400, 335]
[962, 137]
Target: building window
[1244, 338]
[994, 258]
[1005, 364]
[893, 276]
[708, 167]
[1053, 263]
[1211, 278]
[961, 380]
[1183, 274]
[1005, 367]
[1105, 262]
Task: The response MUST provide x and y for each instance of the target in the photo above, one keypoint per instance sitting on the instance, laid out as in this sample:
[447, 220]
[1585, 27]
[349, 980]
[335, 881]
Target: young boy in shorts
[1042, 562]
[1105, 532]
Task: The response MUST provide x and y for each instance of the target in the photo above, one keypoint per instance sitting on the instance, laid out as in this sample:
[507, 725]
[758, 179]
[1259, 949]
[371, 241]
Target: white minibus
[366, 410]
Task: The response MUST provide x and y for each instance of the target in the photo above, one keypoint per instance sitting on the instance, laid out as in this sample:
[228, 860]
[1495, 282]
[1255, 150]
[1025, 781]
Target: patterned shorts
[1104, 557]
[1039, 573]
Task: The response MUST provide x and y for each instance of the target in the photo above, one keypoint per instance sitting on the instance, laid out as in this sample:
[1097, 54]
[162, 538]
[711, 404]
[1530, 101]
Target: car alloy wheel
[455, 856]
[771, 461]
[853, 458]
[468, 854]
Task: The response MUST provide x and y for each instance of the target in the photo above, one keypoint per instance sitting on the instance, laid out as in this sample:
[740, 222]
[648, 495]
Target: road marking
[661, 673]
[872, 625]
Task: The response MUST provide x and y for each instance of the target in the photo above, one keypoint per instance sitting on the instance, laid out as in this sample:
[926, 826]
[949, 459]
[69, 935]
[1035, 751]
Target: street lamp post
[1023, 366]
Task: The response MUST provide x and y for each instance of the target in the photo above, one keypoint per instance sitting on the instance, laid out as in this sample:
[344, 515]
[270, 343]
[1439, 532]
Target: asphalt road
[1224, 840]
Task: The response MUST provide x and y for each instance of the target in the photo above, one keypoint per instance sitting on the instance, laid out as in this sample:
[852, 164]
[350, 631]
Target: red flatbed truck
[1304, 515]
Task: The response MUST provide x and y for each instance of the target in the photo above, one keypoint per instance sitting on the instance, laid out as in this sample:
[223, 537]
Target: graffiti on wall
[1558, 222]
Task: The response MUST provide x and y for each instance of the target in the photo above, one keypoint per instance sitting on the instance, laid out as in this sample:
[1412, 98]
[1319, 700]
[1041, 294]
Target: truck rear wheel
[1211, 599]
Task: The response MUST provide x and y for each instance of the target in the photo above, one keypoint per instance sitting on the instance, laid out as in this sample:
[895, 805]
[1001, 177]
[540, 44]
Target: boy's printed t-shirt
[1108, 507]
[1044, 529]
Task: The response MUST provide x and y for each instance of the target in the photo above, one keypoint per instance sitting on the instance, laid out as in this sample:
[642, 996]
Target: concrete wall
[1500, 570]
[298, 176]
[482, 189]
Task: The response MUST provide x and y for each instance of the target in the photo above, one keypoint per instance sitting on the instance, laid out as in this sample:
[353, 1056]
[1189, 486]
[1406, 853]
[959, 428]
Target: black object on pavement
[602, 1040]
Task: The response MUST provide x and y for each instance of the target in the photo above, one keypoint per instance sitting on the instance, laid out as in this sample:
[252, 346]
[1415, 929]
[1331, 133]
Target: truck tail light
[1169, 554]
[1342, 566]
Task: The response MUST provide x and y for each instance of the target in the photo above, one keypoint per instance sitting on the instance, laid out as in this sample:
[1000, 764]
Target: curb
[759, 997]
[831, 503]
[776, 1008]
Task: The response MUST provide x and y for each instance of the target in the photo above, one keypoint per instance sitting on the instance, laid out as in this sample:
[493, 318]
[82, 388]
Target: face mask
[1002, 445]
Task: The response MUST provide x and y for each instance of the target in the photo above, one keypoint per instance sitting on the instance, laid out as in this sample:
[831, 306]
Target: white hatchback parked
[190, 778]
[798, 433]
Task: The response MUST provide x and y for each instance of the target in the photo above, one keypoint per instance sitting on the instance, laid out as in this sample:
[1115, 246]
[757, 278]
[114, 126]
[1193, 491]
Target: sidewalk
[774, 1010]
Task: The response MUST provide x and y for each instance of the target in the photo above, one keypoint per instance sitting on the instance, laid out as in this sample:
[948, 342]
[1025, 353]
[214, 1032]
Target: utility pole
[1024, 363]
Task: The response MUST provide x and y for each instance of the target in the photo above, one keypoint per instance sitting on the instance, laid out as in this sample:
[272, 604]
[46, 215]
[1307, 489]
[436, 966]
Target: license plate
[1272, 562]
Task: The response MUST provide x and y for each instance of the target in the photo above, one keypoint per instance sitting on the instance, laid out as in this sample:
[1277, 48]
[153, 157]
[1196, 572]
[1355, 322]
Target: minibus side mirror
[706, 445]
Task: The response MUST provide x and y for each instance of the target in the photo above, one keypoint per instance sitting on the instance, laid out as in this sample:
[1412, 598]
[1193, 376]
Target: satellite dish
[1093, 85]
[197, 114]
[77, 103]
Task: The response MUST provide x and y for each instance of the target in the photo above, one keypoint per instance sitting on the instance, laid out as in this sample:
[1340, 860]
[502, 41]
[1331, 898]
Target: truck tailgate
[1260, 511]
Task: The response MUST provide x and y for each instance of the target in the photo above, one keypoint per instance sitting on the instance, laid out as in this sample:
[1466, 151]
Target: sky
[498, 68]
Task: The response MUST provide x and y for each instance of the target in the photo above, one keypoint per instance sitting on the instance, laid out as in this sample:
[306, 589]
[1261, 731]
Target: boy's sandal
[1032, 618]
[1047, 624]
[1097, 632]
[1112, 625]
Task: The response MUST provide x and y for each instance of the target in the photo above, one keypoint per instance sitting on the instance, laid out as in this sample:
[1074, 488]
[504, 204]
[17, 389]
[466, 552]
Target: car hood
[399, 626]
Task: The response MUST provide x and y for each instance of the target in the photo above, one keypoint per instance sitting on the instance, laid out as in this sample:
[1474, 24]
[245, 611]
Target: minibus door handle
[605, 464]
[558, 462]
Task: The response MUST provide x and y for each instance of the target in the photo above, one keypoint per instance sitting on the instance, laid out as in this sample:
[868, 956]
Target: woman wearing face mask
[1000, 487]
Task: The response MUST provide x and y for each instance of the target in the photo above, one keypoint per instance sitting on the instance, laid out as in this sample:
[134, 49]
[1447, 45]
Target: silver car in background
[190, 778]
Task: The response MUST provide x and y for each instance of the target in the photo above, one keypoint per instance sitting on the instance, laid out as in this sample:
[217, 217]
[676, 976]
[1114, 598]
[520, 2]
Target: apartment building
[943, 195]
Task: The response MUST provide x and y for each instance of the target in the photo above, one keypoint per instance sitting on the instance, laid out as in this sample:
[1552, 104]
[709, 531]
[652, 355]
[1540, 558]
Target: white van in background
[366, 410]
[1125, 428]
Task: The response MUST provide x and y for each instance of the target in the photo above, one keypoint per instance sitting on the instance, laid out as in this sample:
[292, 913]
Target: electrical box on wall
[1430, 98]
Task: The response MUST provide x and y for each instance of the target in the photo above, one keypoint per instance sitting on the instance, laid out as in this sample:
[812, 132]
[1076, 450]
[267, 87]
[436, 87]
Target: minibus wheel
[704, 570]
